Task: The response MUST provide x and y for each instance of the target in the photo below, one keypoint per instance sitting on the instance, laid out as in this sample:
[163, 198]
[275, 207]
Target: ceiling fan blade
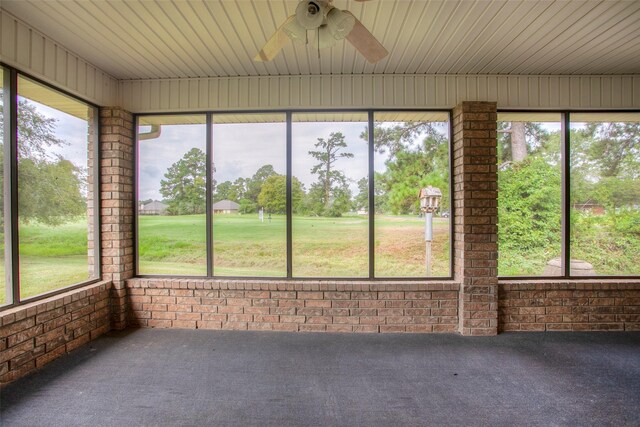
[275, 44]
[365, 42]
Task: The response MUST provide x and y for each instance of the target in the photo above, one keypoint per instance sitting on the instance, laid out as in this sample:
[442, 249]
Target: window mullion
[10, 95]
[289, 198]
[566, 196]
[209, 194]
[371, 199]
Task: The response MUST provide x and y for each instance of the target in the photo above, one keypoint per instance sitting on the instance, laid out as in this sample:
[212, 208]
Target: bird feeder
[430, 199]
[429, 202]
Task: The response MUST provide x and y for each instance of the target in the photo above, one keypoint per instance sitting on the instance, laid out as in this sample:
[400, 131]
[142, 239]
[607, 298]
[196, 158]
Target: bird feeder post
[429, 202]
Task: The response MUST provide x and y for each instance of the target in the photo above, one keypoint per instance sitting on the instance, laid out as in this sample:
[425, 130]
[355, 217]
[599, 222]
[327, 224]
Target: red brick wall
[116, 206]
[585, 305]
[293, 305]
[32, 335]
[476, 214]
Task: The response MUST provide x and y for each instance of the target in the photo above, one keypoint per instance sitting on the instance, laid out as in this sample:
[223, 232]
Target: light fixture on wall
[331, 25]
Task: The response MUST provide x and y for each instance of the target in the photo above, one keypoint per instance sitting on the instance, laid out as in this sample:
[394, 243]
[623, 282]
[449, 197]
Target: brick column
[476, 214]
[116, 213]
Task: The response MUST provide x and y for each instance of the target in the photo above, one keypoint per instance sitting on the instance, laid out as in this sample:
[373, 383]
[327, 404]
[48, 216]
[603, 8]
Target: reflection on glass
[411, 153]
[249, 195]
[330, 201]
[529, 194]
[172, 195]
[53, 132]
[605, 193]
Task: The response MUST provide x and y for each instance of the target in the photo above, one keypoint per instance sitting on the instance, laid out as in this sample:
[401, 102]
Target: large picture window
[53, 189]
[568, 194]
[49, 203]
[293, 194]
[172, 176]
[529, 194]
[330, 183]
[411, 153]
[249, 195]
[605, 194]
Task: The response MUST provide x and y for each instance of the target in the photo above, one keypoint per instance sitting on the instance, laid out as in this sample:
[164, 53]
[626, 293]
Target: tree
[273, 194]
[50, 188]
[228, 190]
[330, 180]
[254, 184]
[184, 187]
[417, 156]
[614, 148]
[517, 140]
[362, 199]
[605, 160]
[50, 191]
[396, 138]
[222, 191]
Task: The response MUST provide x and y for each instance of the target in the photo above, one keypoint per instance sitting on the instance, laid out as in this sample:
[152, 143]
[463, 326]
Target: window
[330, 195]
[54, 192]
[172, 175]
[49, 205]
[573, 214]
[411, 153]
[249, 195]
[529, 194]
[290, 194]
[605, 193]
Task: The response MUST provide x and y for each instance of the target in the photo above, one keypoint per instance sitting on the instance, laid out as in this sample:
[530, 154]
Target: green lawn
[54, 257]
[50, 257]
[327, 247]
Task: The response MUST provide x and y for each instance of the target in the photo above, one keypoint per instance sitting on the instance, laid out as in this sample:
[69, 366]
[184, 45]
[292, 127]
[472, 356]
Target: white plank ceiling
[197, 38]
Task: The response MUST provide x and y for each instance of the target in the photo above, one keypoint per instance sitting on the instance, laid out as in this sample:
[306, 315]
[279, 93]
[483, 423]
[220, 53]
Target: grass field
[322, 247]
[54, 257]
[50, 258]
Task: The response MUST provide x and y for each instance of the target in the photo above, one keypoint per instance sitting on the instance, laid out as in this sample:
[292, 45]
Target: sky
[239, 150]
[70, 129]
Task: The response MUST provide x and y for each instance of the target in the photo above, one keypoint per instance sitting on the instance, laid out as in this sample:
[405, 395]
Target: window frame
[288, 114]
[10, 140]
[565, 162]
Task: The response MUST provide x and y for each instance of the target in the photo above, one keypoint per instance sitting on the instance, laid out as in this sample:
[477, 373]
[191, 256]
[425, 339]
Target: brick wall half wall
[589, 305]
[33, 334]
[293, 306]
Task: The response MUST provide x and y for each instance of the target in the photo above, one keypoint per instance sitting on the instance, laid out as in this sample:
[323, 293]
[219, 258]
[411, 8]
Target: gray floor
[152, 377]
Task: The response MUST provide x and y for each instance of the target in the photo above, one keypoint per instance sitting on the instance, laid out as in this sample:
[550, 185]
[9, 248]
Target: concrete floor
[150, 377]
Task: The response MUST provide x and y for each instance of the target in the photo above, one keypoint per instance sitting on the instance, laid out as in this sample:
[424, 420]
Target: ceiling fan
[331, 25]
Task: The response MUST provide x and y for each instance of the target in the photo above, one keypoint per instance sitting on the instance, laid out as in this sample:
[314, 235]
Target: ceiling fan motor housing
[310, 14]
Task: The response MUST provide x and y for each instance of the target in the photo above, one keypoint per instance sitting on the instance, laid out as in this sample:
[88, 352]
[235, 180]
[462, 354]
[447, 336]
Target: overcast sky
[70, 129]
[241, 149]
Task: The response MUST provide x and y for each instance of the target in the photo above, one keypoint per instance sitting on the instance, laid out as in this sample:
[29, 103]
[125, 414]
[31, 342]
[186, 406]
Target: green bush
[529, 207]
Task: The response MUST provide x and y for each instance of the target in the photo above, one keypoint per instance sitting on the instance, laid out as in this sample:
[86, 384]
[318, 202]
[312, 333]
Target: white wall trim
[33, 53]
[380, 91]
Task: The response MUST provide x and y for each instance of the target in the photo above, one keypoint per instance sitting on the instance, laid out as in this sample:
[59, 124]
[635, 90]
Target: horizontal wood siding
[33, 53]
[380, 91]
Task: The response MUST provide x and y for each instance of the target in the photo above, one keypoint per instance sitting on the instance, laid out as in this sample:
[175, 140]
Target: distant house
[153, 208]
[225, 206]
[590, 207]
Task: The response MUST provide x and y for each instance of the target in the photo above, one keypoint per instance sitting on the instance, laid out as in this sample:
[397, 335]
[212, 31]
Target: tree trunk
[327, 182]
[518, 142]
